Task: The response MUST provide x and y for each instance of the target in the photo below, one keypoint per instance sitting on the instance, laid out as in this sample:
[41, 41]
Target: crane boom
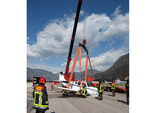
[72, 40]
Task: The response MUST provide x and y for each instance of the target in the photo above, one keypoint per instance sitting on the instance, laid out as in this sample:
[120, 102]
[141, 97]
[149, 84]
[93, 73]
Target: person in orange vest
[40, 97]
[113, 87]
[52, 83]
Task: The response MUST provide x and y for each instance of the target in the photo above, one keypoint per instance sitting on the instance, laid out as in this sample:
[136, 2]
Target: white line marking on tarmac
[29, 98]
[29, 85]
[94, 95]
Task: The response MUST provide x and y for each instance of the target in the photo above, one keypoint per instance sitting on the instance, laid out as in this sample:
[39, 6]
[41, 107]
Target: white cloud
[103, 61]
[32, 51]
[106, 60]
[54, 40]
[100, 63]
[119, 27]
[44, 67]
[117, 11]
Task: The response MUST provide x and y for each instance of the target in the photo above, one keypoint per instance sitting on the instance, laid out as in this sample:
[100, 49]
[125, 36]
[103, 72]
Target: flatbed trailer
[120, 89]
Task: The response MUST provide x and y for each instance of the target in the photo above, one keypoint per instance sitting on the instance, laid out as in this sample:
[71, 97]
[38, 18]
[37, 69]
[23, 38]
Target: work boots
[100, 96]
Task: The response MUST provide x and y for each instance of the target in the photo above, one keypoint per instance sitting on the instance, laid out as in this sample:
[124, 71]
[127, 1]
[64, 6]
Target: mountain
[39, 72]
[89, 73]
[51, 76]
[120, 69]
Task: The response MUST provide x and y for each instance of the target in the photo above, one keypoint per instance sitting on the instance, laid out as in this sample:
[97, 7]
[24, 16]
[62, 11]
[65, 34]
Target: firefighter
[83, 92]
[40, 97]
[100, 90]
[64, 93]
[52, 83]
[127, 91]
[113, 88]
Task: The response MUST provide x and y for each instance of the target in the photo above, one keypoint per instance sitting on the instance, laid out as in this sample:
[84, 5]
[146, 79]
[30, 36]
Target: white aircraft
[75, 86]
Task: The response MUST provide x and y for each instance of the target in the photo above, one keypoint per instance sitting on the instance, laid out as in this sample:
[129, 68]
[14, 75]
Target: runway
[75, 104]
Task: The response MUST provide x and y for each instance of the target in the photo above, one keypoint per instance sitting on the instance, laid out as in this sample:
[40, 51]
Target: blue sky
[50, 25]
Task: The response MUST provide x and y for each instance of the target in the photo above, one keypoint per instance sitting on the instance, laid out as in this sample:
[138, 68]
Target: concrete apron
[29, 104]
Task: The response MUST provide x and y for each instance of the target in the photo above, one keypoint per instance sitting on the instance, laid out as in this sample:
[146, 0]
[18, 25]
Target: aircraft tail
[61, 77]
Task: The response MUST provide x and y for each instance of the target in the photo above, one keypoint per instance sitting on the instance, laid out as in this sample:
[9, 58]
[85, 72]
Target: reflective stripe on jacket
[100, 88]
[39, 102]
[83, 91]
[64, 91]
[113, 86]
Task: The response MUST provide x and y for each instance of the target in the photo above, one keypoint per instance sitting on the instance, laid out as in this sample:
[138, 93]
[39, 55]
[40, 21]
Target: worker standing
[127, 91]
[64, 92]
[100, 90]
[83, 92]
[40, 97]
[113, 87]
[52, 83]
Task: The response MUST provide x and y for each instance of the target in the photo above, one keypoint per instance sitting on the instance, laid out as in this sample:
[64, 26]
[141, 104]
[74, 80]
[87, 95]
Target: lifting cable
[91, 67]
[80, 66]
[84, 34]
[87, 56]
[84, 24]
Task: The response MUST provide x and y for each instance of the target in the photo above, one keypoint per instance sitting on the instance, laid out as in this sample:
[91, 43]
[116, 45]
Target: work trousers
[101, 95]
[37, 111]
[113, 92]
[83, 96]
[127, 97]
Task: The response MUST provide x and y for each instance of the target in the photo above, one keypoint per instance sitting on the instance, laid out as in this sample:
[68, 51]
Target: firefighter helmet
[42, 80]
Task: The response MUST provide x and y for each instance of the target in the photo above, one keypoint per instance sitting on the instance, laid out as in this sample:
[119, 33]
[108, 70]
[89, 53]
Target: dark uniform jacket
[44, 105]
[100, 88]
[127, 88]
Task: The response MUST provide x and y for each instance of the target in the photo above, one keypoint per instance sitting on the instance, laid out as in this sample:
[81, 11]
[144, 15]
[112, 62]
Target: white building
[120, 82]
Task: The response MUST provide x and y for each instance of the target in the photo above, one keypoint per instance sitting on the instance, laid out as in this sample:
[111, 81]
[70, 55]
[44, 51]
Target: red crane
[66, 75]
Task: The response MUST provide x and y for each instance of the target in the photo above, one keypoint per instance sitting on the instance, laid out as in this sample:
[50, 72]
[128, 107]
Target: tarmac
[76, 104]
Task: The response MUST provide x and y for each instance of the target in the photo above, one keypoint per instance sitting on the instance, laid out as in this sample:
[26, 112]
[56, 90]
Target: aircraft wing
[69, 89]
[54, 81]
[58, 81]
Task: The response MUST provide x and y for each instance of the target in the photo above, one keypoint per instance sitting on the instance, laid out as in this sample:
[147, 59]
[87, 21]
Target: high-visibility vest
[64, 92]
[113, 86]
[100, 88]
[83, 91]
[38, 102]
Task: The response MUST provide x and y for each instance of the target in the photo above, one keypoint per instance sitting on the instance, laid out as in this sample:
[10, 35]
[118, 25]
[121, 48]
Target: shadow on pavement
[69, 96]
[110, 95]
[122, 101]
